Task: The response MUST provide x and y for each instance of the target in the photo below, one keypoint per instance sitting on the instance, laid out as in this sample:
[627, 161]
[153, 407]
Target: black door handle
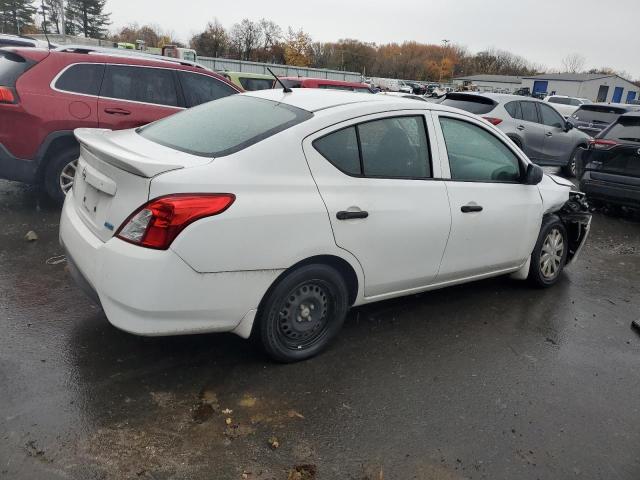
[520, 127]
[344, 215]
[470, 208]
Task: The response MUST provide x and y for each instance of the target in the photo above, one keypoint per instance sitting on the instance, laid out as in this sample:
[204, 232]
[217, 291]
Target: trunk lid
[114, 173]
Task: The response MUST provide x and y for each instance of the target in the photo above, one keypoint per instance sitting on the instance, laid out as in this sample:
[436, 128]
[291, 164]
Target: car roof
[247, 74]
[316, 99]
[325, 80]
[497, 97]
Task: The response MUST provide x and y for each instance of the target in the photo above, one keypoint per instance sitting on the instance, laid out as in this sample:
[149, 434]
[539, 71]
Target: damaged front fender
[576, 218]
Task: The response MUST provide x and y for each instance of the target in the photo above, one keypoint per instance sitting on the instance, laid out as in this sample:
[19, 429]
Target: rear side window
[83, 78]
[12, 66]
[513, 109]
[529, 112]
[291, 83]
[470, 103]
[224, 126]
[559, 100]
[341, 149]
[140, 84]
[252, 84]
[477, 155]
[626, 129]
[389, 148]
[199, 88]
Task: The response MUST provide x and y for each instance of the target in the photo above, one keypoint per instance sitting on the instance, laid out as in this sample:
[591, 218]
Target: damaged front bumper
[576, 218]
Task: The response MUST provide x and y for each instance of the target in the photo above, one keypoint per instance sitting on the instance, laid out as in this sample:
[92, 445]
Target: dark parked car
[594, 118]
[610, 167]
[46, 94]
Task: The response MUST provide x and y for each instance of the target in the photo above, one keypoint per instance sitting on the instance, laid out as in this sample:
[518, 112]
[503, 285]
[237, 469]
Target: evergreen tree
[52, 16]
[87, 17]
[15, 15]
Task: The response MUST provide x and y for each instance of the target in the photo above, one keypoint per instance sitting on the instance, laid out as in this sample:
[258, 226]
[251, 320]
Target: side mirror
[534, 175]
[568, 126]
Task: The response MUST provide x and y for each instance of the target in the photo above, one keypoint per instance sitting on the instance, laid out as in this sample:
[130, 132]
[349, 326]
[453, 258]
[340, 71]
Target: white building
[597, 87]
[491, 83]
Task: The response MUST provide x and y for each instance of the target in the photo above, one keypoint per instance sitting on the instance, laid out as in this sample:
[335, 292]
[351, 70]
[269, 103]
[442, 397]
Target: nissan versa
[271, 213]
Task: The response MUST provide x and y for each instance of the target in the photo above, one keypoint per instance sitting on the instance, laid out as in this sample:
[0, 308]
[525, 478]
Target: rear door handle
[470, 208]
[549, 134]
[117, 111]
[520, 127]
[346, 215]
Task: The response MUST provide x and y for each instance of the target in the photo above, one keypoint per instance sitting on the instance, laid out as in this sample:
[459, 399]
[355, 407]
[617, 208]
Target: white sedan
[272, 213]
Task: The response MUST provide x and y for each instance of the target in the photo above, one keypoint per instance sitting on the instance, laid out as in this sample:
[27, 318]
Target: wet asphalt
[487, 380]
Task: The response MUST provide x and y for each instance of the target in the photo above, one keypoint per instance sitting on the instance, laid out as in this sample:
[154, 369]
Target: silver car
[533, 125]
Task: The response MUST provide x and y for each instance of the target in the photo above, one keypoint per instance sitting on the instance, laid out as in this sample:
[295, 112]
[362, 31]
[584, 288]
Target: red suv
[46, 94]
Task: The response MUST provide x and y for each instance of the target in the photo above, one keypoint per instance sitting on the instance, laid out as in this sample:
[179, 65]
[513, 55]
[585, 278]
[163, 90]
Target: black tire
[517, 142]
[570, 170]
[58, 164]
[300, 316]
[540, 274]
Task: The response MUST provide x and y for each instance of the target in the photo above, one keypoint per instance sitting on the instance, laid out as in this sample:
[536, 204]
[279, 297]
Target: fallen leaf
[274, 443]
[293, 413]
[248, 401]
[228, 421]
[31, 236]
[227, 411]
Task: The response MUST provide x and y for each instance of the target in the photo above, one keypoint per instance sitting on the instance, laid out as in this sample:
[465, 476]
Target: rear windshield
[598, 113]
[224, 126]
[626, 129]
[12, 66]
[470, 103]
[251, 84]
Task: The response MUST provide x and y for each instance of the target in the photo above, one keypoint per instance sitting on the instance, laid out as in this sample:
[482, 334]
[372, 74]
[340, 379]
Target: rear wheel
[550, 253]
[302, 314]
[60, 172]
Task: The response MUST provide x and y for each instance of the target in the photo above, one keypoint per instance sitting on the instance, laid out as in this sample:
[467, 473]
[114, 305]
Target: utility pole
[62, 18]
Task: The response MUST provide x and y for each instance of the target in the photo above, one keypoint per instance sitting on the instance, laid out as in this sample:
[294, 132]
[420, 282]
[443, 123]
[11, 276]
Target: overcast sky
[543, 31]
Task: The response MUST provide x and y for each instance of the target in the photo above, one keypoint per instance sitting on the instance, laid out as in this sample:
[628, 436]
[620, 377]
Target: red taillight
[6, 95]
[493, 120]
[601, 144]
[157, 223]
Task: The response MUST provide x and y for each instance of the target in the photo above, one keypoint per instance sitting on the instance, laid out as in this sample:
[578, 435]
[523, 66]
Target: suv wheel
[59, 173]
[550, 253]
[570, 169]
[302, 314]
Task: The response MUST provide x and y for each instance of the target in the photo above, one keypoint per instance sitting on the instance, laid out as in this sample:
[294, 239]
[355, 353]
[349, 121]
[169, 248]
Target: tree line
[87, 18]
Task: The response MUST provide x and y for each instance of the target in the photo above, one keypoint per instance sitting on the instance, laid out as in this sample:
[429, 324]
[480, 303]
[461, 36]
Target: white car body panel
[217, 271]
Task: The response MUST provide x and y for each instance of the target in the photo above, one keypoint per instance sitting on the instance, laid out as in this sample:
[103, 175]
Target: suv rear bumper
[626, 194]
[12, 168]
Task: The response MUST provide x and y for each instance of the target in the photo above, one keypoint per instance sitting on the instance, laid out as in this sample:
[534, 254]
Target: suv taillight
[493, 120]
[157, 223]
[7, 95]
[601, 144]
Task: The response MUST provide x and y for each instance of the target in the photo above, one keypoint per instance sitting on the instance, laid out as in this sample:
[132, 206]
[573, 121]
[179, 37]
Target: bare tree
[246, 37]
[574, 63]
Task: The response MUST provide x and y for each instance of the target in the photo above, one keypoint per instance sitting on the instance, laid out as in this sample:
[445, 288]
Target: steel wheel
[552, 254]
[67, 175]
[303, 315]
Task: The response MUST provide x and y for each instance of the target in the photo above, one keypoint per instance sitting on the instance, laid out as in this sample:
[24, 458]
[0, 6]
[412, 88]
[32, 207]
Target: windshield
[597, 114]
[224, 126]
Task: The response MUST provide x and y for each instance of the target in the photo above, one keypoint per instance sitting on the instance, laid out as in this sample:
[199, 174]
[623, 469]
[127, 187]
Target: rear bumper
[12, 168]
[623, 194]
[154, 292]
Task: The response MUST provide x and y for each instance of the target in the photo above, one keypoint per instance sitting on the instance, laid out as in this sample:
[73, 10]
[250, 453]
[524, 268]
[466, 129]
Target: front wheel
[302, 314]
[550, 253]
[570, 170]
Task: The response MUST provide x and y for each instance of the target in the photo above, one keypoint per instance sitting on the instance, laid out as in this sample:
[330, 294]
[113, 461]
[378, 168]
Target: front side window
[529, 112]
[82, 78]
[550, 117]
[394, 147]
[200, 89]
[140, 84]
[477, 155]
[224, 126]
